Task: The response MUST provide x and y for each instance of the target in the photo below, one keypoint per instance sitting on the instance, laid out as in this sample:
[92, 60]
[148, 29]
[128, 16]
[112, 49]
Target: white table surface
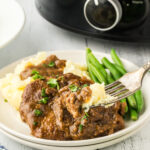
[39, 35]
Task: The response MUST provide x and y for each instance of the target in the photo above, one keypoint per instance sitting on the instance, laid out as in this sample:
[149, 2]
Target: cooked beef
[44, 69]
[62, 117]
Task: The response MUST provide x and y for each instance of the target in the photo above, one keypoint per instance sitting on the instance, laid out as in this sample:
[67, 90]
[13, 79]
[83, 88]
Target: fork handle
[146, 68]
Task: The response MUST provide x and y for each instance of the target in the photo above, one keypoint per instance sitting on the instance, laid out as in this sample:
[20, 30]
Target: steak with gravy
[56, 113]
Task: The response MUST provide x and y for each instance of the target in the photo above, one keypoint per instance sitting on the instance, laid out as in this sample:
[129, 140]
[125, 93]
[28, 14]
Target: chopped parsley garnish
[85, 85]
[44, 65]
[35, 123]
[34, 72]
[73, 88]
[37, 112]
[36, 75]
[51, 64]
[85, 116]
[5, 100]
[53, 83]
[62, 78]
[79, 88]
[43, 93]
[44, 100]
[57, 76]
[80, 127]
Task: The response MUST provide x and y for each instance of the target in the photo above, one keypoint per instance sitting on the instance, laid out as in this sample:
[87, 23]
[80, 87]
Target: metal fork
[126, 85]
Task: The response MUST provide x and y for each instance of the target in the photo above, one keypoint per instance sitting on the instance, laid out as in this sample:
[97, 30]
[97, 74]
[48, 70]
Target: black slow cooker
[99, 18]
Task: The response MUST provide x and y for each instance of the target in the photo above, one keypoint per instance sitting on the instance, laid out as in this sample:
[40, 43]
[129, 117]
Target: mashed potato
[76, 69]
[98, 91]
[12, 87]
[98, 96]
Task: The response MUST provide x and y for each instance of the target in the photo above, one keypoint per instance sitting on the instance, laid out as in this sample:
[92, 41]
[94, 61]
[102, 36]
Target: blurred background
[40, 35]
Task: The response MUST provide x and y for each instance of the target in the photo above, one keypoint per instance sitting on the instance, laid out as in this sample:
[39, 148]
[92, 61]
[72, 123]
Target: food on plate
[108, 72]
[11, 86]
[55, 97]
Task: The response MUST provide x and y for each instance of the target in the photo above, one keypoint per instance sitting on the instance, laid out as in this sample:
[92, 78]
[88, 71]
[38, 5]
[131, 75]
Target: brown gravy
[62, 117]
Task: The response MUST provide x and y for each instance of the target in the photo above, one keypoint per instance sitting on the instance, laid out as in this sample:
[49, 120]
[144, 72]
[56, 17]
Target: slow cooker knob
[102, 15]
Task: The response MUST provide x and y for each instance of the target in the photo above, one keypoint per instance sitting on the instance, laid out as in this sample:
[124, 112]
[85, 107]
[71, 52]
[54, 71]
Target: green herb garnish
[37, 112]
[35, 123]
[34, 72]
[51, 64]
[57, 76]
[53, 83]
[5, 100]
[37, 76]
[44, 100]
[62, 78]
[44, 65]
[80, 127]
[85, 85]
[43, 93]
[85, 116]
[73, 88]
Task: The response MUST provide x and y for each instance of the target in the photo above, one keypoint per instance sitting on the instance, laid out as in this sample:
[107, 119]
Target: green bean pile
[107, 72]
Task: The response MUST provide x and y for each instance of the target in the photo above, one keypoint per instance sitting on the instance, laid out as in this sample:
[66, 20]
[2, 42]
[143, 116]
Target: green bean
[138, 94]
[88, 50]
[132, 101]
[93, 77]
[103, 66]
[110, 79]
[116, 74]
[139, 100]
[133, 114]
[116, 59]
[112, 76]
[120, 69]
[97, 73]
[125, 101]
[93, 60]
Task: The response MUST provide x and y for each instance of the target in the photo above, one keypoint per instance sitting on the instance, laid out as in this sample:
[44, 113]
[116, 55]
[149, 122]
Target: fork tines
[116, 89]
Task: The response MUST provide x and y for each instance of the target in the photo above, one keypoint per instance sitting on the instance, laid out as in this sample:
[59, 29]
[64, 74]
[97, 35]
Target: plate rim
[117, 140]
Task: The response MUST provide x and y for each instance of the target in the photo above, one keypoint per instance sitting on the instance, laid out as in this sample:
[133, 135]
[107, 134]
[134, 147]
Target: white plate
[89, 147]
[12, 20]
[14, 126]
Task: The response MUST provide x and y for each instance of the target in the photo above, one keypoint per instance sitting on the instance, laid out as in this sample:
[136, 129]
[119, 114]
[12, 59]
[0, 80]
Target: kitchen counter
[39, 35]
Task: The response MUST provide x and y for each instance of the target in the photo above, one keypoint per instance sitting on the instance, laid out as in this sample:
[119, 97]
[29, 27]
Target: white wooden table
[40, 35]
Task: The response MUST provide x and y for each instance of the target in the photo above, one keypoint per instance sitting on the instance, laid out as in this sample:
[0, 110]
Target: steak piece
[31, 101]
[63, 115]
[44, 68]
[57, 113]
[101, 122]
